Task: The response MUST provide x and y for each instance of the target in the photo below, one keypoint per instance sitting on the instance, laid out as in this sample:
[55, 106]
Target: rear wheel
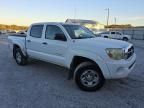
[19, 57]
[89, 77]
[105, 36]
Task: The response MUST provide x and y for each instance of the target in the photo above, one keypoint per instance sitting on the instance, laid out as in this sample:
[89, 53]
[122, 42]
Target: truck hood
[101, 43]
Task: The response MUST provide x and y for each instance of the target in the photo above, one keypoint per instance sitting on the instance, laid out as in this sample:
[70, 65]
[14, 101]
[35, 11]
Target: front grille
[130, 52]
[132, 65]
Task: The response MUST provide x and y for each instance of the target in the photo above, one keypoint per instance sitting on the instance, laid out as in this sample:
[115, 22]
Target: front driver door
[55, 50]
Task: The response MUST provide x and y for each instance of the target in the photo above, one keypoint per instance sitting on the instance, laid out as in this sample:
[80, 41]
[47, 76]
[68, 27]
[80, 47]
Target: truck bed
[17, 35]
[19, 39]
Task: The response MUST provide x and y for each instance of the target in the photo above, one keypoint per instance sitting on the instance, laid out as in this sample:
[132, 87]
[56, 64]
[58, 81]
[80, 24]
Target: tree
[12, 27]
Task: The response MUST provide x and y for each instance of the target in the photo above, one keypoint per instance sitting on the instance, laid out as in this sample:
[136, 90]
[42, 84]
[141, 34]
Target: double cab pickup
[90, 59]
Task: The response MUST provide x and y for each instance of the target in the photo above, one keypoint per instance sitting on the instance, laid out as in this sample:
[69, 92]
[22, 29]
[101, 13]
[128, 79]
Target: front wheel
[89, 77]
[105, 36]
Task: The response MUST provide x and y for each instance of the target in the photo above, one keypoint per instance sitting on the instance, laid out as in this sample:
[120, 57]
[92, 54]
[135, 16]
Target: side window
[51, 32]
[118, 33]
[36, 31]
[112, 32]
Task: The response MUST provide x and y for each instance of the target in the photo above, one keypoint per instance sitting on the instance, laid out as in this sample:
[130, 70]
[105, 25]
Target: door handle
[44, 43]
[28, 40]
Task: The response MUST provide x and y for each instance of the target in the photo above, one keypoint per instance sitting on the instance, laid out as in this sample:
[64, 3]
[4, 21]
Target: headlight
[115, 53]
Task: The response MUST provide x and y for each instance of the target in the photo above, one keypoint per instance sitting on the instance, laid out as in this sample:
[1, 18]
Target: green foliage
[119, 26]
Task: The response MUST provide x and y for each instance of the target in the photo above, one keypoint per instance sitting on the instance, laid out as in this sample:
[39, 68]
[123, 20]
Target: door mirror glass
[60, 37]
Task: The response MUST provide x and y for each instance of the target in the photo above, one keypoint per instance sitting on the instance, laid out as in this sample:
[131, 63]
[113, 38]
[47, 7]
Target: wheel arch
[125, 38]
[77, 60]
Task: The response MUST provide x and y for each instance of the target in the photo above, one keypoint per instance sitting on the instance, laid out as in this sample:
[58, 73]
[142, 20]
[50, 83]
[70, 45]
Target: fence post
[143, 36]
[133, 33]
[123, 31]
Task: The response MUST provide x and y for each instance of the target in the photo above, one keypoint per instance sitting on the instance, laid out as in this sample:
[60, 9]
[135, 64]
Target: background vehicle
[22, 32]
[115, 35]
[90, 60]
[3, 31]
[11, 31]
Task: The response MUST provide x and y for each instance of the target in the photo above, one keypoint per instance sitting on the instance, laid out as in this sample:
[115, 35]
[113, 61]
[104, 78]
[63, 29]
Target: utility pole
[108, 14]
[115, 20]
[75, 10]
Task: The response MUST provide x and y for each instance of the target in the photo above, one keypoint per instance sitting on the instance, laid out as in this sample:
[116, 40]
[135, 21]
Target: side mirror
[60, 37]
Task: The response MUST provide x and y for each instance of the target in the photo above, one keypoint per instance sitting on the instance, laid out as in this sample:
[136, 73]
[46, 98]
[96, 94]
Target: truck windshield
[78, 32]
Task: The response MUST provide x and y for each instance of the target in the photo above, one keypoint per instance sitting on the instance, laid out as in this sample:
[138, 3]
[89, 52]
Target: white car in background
[22, 32]
[115, 35]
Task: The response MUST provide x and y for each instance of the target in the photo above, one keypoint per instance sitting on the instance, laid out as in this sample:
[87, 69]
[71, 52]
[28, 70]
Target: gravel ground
[138, 43]
[43, 85]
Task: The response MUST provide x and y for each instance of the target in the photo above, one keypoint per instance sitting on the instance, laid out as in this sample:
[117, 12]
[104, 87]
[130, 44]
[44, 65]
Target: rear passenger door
[34, 41]
[113, 35]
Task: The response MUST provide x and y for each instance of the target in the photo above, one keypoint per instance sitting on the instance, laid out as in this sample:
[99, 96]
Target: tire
[19, 57]
[125, 39]
[89, 77]
[105, 36]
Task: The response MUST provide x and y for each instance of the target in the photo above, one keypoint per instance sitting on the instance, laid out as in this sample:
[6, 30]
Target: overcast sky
[25, 12]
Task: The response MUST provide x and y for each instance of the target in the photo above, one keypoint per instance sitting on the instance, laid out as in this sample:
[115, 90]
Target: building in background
[94, 26]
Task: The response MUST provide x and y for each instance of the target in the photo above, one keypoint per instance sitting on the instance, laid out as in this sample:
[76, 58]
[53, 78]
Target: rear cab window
[36, 31]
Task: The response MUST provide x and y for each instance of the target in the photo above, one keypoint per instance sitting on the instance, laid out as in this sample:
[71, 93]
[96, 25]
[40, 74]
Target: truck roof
[57, 23]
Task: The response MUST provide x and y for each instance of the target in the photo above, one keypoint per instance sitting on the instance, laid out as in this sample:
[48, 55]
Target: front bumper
[121, 69]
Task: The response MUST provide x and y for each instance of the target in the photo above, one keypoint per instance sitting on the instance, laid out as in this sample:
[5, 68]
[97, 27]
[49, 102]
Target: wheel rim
[89, 78]
[125, 39]
[18, 57]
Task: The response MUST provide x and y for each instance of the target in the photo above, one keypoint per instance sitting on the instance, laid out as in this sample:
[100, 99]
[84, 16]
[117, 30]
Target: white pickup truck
[115, 35]
[90, 59]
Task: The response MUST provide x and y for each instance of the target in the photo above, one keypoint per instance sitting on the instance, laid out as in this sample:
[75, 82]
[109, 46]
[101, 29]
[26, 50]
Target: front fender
[92, 56]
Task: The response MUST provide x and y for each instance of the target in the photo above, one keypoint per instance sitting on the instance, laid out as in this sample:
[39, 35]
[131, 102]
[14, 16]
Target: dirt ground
[44, 85]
